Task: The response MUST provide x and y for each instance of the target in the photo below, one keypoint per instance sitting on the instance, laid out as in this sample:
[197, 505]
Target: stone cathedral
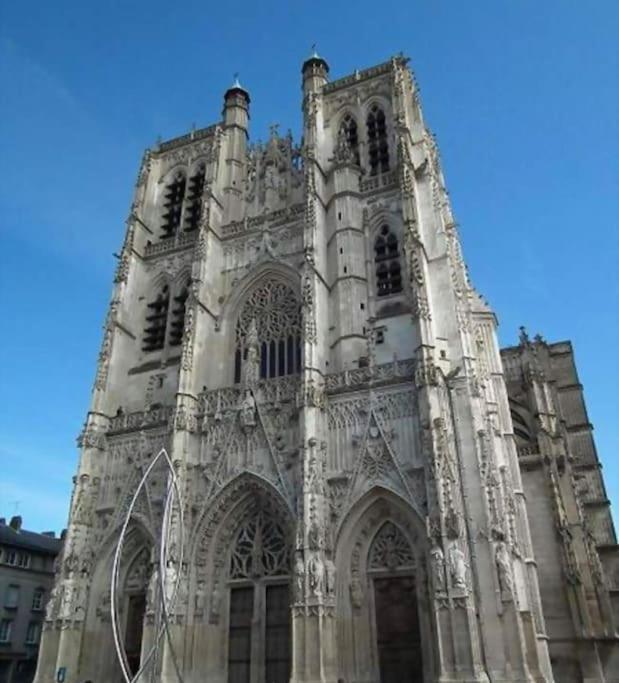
[371, 491]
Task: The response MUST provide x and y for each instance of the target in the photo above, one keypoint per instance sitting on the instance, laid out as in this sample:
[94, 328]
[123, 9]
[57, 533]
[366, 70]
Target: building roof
[29, 539]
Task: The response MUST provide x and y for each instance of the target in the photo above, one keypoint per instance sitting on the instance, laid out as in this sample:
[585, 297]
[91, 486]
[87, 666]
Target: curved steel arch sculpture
[173, 495]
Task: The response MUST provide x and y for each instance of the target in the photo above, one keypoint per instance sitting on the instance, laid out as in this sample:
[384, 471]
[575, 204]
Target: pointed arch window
[349, 129]
[268, 333]
[193, 208]
[378, 145]
[173, 206]
[177, 322]
[387, 261]
[156, 321]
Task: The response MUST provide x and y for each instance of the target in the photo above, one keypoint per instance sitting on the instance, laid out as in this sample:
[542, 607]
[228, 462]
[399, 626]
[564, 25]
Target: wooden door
[135, 625]
[277, 645]
[397, 630]
[239, 645]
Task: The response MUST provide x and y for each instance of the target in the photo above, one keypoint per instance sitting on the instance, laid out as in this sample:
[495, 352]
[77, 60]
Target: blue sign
[61, 674]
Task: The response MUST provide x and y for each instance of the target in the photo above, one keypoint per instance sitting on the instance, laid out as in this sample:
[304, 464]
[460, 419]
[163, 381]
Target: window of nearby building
[6, 626]
[23, 560]
[37, 599]
[33, 632]
[11, 557]
[11, 597]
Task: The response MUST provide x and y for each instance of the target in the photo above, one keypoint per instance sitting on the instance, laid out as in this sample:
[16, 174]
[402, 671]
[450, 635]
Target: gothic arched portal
[385, 625]
[242, 582]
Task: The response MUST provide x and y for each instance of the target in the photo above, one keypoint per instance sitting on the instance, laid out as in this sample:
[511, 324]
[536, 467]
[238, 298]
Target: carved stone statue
[356, 592]
[438, 569]
[247, 410]
[330, 576]
[266, 248]
[251, 365]
[151, 592]
[299, 577]
[457, 567]
[52, 604]
[69, 599]
[343, 150]
[215, 605]
[104, 606]
[316, 575]
[200, 598]
[501, 557]
[170, 582]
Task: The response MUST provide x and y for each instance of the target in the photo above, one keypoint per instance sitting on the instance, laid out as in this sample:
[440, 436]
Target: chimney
[15, 523]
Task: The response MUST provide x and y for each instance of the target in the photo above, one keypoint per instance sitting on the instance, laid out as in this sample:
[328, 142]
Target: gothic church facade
[369, 492]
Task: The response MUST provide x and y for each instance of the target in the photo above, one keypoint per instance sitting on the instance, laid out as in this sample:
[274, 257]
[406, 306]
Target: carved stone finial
[523, 336]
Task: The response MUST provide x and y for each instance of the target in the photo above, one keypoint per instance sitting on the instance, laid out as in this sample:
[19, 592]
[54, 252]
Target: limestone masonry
[371, 490]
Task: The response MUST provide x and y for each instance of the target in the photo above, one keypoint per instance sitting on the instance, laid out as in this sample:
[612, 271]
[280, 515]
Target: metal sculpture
[164, 603]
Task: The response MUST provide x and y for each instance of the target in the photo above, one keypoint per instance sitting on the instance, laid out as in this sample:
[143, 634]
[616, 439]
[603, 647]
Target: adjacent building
[370, 490]
[26, 580]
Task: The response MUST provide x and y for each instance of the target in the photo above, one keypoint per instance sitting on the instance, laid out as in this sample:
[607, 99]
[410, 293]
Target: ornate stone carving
[438, 569]
[187, 348]
[299, 577]
[390, 550]
[105, 354]
[309, 315]
[356, 592]
[247, 411]
[457, 567]
[330, 575]
[316, 572]
[91, 437]
[260, 549]
[503, 566]
[200, 598]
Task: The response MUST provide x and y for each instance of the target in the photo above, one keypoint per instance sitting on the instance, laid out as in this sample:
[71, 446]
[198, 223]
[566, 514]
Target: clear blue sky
[523, 96]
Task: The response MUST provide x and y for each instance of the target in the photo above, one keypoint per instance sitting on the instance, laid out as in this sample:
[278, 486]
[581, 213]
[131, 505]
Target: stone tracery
[260, 549]
[272, 315]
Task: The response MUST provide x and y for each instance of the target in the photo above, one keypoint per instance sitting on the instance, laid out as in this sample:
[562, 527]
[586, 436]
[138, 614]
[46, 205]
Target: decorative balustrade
[378, 182]
[397, 371]
[155, 417]
[179, 241]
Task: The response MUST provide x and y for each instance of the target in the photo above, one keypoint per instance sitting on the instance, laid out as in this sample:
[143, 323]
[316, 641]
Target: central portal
[392, 569]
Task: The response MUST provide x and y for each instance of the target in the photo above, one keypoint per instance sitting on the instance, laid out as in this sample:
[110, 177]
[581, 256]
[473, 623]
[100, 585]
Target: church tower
[294, 324]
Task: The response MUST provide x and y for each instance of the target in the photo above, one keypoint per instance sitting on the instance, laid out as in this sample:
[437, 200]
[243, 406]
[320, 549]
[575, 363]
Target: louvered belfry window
[177, 324]
[349, 126]
[193, 201]
[173, 206]
[156, 321]
[387, 261]
[378, 145]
